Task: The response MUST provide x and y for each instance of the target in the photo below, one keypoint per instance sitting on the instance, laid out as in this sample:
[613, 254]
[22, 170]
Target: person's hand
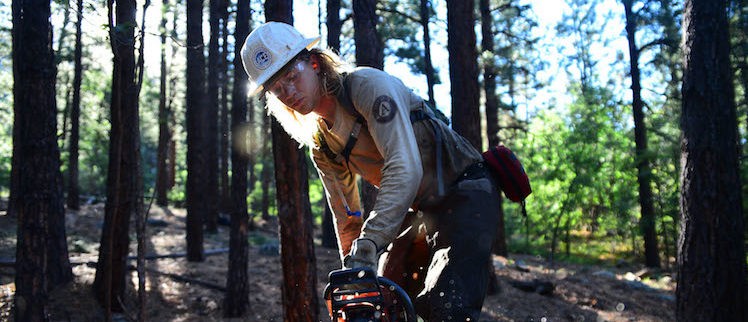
[363, 254]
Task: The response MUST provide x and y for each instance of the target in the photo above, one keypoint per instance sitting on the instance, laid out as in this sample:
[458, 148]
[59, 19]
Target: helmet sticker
[261, 58]
[384, 109]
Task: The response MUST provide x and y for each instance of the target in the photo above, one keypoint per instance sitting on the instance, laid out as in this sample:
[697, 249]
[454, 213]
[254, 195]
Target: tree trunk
[73, 199]
[64, 78]
[237, 282]
[123, 182]
[140, 215]
[197, 134]
[225, 192]
[489, 75]
[369, 47]
[463, 70]
[711, 254]
[40, 202]
[296, 232]
[299, 289]
[58, 263]
[648, 219]
[253, 152]
[492, 110]
[212, 105]
[334, 26]
[329, 239]
[266, 175]
[164, 134]
[425, 15]
[369, 52]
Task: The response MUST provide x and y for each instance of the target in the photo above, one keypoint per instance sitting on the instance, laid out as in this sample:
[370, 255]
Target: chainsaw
[359, 295]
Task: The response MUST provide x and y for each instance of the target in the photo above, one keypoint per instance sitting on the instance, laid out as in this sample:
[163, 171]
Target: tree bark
[463, 70]
[711, 254]
[369, 52]
[254, 151]
[212, 105]
[369, 47]
[197, 134]
[334, 25]
[164, 133]
[224, 155]
[237, 282]
[124, 197]
[329, 238]
[267, 167]
[73, 198]
[648, 218]
[40, 202]
[425, 15]
[492, 110]
[299, 289]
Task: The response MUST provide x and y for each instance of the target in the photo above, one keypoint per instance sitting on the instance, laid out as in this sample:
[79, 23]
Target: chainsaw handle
[410, 312]
[372, 290]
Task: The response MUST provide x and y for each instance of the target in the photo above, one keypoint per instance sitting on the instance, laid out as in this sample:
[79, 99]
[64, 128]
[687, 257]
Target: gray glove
[363, 254]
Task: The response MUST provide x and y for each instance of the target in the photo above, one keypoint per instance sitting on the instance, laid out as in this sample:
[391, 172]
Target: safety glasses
[286, 79]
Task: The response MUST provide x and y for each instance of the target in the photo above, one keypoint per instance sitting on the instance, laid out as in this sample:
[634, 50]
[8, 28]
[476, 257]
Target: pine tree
[711, 256]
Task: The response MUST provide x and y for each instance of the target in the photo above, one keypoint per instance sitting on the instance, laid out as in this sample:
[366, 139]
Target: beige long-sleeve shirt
[391, 153]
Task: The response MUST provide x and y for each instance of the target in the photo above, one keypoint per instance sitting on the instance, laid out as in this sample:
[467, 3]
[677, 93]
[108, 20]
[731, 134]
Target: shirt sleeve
[383, 101]
[337, 180]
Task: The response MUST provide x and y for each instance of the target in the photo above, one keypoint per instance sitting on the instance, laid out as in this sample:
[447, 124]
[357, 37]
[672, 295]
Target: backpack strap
[325, 148]
[344, 97]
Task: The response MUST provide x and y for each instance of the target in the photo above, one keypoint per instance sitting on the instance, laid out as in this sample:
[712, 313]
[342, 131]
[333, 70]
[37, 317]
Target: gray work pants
[449, 283]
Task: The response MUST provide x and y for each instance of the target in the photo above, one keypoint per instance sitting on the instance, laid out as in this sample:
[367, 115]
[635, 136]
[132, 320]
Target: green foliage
[177, 195]
[582, 171]
[94, 132]
[255, 194]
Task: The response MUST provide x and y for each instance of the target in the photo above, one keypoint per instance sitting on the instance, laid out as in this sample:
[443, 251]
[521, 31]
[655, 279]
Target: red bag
[508, 172]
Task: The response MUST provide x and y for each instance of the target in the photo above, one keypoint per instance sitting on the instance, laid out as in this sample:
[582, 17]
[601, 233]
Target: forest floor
[580, 293]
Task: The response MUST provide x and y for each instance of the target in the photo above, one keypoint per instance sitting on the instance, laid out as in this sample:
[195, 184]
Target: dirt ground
[580, 293]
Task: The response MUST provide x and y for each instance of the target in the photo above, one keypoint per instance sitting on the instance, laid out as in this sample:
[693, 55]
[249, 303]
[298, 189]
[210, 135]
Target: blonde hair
[302, 128]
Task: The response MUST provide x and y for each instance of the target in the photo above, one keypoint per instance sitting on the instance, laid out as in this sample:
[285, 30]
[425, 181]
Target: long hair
[303, 127]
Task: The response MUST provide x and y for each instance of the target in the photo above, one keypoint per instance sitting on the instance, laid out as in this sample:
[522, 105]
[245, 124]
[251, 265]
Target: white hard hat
[270, 47]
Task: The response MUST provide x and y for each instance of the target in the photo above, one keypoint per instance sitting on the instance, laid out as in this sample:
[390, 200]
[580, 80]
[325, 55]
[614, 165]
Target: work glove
[363, 254]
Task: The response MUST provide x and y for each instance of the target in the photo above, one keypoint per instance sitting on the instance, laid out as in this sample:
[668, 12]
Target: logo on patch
[384, 109]
[261, 58]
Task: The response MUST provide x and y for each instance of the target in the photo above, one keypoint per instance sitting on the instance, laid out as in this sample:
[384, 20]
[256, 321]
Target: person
[435, 215]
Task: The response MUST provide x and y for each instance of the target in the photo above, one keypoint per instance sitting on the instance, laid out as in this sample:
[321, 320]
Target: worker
[434, 191]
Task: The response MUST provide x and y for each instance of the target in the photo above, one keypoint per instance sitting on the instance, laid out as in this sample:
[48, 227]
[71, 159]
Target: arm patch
[384, 109]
